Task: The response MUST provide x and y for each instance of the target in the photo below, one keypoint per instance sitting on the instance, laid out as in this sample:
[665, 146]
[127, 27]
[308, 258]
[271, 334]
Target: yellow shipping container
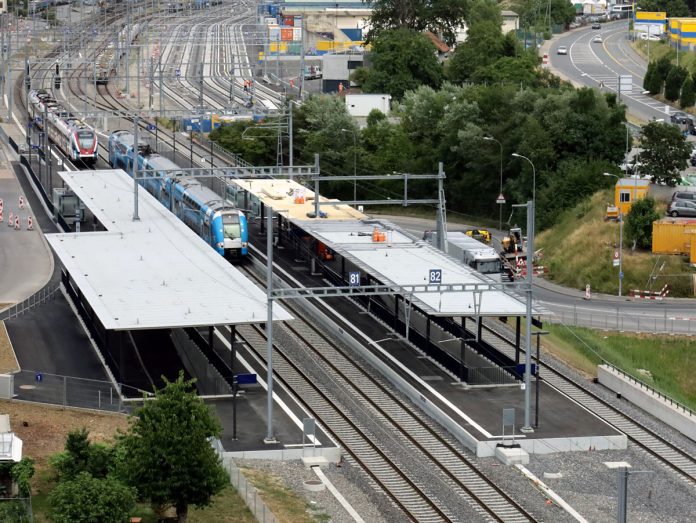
[673, 236]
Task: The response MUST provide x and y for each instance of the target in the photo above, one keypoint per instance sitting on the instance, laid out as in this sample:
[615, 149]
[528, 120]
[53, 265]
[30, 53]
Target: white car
[597, 39]
[562, 49]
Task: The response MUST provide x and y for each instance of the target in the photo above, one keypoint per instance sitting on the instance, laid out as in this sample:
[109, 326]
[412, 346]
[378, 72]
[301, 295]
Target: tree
[674, 8]
[81, 455]
[652, 81]
[674, 81]
[257, 145]
[640, 220]
[166, 453]
[85, 499]
[665, 152]
[687, 98]
[401, 60]
[663, 67]
[440, 16]
[484, 45]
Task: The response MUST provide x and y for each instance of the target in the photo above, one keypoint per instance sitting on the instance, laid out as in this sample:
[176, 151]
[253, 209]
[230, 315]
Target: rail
[33, 301]
[672, 402]
[248, 492]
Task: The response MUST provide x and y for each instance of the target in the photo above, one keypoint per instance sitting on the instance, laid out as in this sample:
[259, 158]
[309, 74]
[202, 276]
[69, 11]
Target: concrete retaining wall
[648, 400]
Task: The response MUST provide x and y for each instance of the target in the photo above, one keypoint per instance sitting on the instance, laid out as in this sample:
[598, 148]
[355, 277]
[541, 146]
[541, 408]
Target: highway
[600, 65]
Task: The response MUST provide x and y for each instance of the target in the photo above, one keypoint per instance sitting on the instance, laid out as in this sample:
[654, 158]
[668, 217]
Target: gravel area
[371, 505]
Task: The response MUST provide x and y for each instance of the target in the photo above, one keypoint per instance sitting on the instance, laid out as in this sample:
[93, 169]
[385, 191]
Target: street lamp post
[528, 327]
[620, 235]
[355, 162]
[500, 213]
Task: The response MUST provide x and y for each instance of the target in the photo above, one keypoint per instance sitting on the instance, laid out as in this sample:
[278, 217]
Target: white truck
[471, 252]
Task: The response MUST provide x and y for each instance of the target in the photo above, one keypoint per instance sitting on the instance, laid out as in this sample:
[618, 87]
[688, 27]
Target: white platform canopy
[401, 259]
[153, 273]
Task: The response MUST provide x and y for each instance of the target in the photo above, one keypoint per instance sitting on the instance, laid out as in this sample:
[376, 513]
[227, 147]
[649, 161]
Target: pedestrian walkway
[26, 261]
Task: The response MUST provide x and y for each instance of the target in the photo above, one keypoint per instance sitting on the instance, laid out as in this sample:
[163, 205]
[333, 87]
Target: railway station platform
[470, 408]
[473, 414]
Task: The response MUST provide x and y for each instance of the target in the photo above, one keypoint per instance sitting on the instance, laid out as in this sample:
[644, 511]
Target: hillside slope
[578, 250]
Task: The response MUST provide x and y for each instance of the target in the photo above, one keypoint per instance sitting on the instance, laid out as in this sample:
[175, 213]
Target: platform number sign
[354, 278]
[435, 276]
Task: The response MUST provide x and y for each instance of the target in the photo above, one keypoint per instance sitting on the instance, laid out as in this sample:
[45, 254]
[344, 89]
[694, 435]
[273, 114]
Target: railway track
[377, 429]
[667, 453]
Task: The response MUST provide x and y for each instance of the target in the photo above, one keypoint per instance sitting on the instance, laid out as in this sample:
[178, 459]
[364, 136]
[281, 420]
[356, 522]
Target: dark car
[596, 25]
[679, 117]
[681, 208]
[685, 195]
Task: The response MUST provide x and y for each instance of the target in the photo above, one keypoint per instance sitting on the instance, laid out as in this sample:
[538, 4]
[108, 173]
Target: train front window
[488, 267]
[231, 227]
[86, 140]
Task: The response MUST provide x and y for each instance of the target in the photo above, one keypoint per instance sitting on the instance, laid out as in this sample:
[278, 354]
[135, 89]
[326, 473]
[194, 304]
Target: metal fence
[16, 510]
[70, 391]
[36, 299]
[664, 322]
[641, 384]
[245, 489]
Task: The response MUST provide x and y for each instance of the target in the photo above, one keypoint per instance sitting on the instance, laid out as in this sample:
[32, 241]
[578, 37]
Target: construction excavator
[513, 243]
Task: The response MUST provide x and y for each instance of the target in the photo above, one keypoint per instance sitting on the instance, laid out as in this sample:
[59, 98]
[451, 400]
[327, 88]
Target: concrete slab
[511, 456]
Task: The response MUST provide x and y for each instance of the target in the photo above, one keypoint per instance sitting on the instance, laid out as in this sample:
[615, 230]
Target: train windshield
[488, 266]
[231, 227]
[86, 139]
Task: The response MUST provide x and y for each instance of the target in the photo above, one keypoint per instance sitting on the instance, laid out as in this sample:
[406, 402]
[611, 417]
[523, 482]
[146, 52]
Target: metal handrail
[29, 303]
[654, 391]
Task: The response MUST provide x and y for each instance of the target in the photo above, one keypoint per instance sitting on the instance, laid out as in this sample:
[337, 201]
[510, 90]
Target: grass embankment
[43, 430]
[687, 59]
[578, 250]
[669, 360]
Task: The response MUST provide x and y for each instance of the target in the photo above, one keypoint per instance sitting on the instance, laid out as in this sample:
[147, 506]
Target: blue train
[214, 219]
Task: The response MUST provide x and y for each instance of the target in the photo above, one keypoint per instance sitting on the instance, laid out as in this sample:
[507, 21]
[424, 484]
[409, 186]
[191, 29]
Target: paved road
[601, 64]
[673, 315]
[26, 261]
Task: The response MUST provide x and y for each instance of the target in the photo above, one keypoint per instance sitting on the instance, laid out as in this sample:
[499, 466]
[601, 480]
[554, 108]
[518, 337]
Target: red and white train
[76, 139]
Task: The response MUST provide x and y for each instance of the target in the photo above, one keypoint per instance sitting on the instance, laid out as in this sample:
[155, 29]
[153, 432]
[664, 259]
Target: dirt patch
[8, 360]
[47, 427]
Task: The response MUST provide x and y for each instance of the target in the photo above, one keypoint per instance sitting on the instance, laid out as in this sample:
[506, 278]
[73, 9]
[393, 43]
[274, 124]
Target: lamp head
[488, 138]
[517, 155]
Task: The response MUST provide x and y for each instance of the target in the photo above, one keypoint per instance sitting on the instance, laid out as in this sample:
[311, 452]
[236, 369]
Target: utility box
[362, 104]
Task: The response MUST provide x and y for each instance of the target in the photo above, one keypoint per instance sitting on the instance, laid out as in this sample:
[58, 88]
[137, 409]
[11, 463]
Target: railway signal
[57, 79]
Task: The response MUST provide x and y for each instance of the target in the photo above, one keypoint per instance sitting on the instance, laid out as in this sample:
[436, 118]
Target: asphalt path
[601, 311]
[599, 65]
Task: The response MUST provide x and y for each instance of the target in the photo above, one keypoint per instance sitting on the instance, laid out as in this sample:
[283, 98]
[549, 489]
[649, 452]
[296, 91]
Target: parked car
[562, 49]
[597, 39]
[685, 195]
[681, 208]
[596, 25]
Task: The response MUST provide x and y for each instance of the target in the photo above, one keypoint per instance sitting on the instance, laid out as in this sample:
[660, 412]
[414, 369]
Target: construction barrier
[10, 223]
[1, 217]
[16, 223]
[649, 295]
[1, 204]
[21, 202]
[30, 224]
